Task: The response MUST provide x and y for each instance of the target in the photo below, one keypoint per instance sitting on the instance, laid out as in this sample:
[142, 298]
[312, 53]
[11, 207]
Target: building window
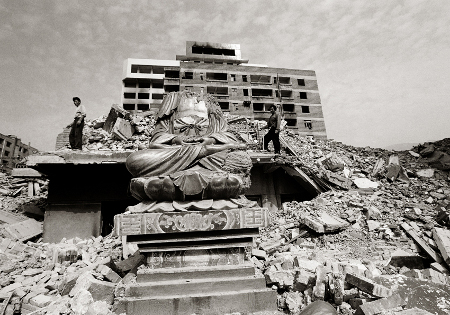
[188, 75]
[244, 78]
[129, 95]
[262, 93]
[284, 80]
[6, 153]
[301, 82]
[303, 95]
[216, 76]
[1, 141]
[8, 144]
[305, 109]
[288, 107]
[291, 122]
[275, 80]
[143, 96]
[258, 107]
[128, 106]
[224, 105]
[5, 162]
[308, 124]
[144, 84]
[129, 83]
[188, 88]
[172, 74]
[245, 91]
[171, 88]
[157, 96]
[236, 106]
[233, 77]
[143, 106]
[25, 151]
[158, 85]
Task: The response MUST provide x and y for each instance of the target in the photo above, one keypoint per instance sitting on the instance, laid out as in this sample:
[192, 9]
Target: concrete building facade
[12, 150]
[241, 88]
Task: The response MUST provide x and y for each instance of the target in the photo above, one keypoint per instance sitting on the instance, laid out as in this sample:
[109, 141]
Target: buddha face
[191, 118]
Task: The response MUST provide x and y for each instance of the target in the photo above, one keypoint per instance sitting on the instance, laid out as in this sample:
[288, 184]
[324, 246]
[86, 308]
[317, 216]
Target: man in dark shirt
[274, 130]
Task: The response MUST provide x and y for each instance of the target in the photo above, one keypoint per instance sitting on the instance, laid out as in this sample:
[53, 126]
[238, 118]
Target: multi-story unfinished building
[241, 88]
[12, 150]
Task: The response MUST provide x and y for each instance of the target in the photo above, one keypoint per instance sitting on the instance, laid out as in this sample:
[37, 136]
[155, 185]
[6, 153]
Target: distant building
[12, 150]
[241, 88]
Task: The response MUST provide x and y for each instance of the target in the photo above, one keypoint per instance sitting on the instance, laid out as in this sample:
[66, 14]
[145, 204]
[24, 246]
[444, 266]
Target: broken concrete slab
[123, 129]
[24, 230]
[25, 172]
[378, 306]
[422, 244]
[442, 239]
[367, 285]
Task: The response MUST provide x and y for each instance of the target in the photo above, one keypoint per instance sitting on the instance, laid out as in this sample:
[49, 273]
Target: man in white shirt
[76, 131]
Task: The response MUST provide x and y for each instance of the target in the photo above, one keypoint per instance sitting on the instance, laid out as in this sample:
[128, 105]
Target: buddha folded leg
[192, 183]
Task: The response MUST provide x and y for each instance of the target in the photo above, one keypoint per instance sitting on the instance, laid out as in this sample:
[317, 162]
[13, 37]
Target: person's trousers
[274, 137]
[76, 135]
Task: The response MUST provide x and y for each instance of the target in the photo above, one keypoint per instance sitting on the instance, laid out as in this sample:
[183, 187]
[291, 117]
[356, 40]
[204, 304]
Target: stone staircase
[195, 271]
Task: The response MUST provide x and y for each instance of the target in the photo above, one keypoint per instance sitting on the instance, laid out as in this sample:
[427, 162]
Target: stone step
[244, 301]
[194, 245]
[191, 236]
[195, 286]
[185, 273]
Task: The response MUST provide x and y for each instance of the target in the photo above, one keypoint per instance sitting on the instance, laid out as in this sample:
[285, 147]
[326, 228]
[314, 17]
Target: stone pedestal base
[196, 262]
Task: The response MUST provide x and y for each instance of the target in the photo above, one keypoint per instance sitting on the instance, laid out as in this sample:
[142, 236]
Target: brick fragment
[378, 306]
[367, 285]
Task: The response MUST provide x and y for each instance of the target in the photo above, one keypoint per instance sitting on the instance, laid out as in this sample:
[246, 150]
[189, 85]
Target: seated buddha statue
[191, 156]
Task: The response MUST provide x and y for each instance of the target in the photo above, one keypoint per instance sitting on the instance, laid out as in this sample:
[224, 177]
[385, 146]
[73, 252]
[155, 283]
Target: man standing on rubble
[76, 131]
[274, 130]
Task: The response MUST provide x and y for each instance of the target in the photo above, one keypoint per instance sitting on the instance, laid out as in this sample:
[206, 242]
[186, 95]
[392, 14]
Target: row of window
[213, 76]
[220, 91]
[8, 144]
[225, 106]
[259, 79]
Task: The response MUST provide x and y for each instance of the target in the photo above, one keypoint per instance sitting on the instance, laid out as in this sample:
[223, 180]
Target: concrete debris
[381, 220]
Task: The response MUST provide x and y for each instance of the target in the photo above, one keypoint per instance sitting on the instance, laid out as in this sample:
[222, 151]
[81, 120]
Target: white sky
[383, 67]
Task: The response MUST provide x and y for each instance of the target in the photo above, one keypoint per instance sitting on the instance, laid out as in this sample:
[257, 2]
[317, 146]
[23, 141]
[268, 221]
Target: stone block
[283, 279]
[310, 265]
[400, 258]
[442, 239]
[109, 274]
[378, 306]
[368, 286]
[123, 130]
[41, 300]
[435, 276]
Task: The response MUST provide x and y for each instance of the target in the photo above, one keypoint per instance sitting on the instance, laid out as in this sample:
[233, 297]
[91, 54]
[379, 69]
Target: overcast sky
[383, 67]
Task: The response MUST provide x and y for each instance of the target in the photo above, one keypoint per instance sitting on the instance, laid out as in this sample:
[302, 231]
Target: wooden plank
[442, 239]
[422, 244]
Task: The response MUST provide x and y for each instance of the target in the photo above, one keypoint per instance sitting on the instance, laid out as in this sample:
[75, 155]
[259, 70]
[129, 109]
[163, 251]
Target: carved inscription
[193, 221]
[254, 217]
[130, 225]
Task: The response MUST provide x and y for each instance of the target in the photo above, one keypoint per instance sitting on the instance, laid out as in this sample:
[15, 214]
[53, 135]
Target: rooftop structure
[241, 88]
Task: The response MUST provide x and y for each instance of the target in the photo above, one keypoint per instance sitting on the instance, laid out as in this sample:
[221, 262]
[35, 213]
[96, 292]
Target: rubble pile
[72, 277]
[378, 230]
[384, 223]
